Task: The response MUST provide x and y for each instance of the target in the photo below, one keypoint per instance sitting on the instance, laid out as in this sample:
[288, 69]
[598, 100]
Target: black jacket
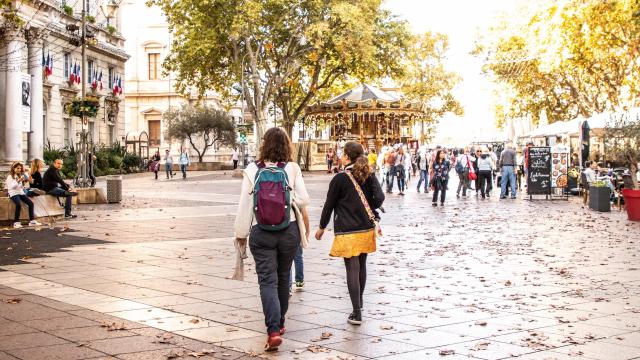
[37, 180]
[52, 179]
[343, 201]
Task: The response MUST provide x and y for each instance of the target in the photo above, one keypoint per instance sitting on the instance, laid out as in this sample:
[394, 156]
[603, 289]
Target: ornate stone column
[35, 40]
[13, 108]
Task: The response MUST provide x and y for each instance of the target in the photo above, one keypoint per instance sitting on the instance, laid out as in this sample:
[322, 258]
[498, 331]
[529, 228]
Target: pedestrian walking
[401, 169]
[298, 267]
[463, 168]
[507, 164]
[352, 198]
[14, 184]
[184, 162]
[155, 163]
[329, 158]
[234, 157]
[168, 163]
[485, 168]
[476, 182]
[390, 165]
[422, 163]
[276, 226]
[440, 169]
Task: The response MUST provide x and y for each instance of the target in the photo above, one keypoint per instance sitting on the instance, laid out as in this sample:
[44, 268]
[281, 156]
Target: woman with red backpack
[353, 197]
[272, 214]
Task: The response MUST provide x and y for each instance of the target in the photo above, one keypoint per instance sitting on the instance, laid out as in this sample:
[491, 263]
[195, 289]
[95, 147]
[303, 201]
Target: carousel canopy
[363, 93]
[365, 98]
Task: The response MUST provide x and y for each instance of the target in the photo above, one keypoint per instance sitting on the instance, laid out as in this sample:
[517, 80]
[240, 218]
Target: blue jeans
[273, 252]
[183, 168]
[17, 200]
[298, 263]
[60, 192]
[424, 175]
[508, 177]
[169, 170]
[391, 174]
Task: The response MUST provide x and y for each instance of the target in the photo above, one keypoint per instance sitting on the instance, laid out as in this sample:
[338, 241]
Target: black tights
[356, 278]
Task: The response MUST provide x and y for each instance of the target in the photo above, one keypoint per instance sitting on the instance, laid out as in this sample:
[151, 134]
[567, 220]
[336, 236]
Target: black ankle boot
[355, 318]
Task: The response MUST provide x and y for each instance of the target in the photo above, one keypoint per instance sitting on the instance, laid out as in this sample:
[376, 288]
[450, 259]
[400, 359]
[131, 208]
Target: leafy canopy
[571, 59]
[285, 51]
[203, 126]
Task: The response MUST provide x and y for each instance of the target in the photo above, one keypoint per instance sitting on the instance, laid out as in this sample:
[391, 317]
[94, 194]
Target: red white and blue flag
[47, 64]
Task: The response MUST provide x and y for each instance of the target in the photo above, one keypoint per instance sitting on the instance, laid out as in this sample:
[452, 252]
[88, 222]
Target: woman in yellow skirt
[352, 197]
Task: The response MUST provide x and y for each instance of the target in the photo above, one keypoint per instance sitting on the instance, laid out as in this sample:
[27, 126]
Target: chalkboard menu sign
[539, 168]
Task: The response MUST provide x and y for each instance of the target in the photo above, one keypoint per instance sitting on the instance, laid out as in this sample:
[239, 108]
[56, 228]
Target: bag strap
[469, 164]
[363, 198]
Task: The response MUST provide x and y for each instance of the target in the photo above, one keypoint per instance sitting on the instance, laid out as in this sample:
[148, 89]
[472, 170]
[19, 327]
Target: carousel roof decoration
[368, 114]
[365, 99]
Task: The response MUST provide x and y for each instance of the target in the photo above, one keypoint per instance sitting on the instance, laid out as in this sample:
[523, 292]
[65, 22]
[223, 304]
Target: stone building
[38, 60]
[150, 91]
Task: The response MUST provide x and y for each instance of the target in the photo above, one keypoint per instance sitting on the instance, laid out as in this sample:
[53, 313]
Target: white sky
[461, 21]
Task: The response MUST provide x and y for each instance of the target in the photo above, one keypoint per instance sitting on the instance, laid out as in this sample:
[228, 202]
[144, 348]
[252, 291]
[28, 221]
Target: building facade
[150, 91]
[42, 73]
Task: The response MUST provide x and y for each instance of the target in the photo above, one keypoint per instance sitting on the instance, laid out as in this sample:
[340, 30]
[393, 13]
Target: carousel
[369, 115]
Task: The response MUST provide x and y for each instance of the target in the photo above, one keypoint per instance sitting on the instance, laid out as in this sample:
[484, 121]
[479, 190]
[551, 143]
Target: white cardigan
[244, 217]
[14, 187]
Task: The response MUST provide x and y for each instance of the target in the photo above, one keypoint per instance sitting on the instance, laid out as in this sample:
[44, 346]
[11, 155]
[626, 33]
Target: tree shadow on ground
[17, 246]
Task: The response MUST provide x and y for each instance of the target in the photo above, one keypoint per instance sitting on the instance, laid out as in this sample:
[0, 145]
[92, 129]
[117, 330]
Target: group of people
[276, 223]
[183, 160]
[22, 185]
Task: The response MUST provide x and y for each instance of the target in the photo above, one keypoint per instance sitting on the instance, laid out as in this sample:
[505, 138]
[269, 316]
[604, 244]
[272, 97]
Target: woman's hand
[319, 234]
[242, 242]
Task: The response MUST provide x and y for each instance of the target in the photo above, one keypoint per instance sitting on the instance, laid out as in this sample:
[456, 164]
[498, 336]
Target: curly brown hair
[276, 146]
[361, 169]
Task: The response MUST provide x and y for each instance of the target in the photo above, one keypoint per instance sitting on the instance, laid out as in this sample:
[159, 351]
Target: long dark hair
[438, 161]
[361, 169]
[276, 146]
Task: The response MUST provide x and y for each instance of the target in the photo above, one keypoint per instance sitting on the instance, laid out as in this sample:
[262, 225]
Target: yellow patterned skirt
[354, 243]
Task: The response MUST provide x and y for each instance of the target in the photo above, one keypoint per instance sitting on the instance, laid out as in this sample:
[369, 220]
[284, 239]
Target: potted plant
[111, 29]
[89, 107]
[67, 9]
[91, 19]
[600, 196]
[622, 136]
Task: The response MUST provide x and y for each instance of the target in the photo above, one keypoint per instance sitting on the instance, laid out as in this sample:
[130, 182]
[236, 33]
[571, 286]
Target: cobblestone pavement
[483, 279]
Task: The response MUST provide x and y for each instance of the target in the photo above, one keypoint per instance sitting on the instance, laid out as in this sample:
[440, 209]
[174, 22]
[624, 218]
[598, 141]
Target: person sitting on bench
[55, 185]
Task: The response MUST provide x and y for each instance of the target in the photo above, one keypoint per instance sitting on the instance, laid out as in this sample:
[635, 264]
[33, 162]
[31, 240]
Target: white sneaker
[17, 225]
[34, 223]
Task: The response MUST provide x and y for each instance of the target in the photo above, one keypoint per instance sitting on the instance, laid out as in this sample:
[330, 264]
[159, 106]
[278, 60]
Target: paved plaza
[149, 279]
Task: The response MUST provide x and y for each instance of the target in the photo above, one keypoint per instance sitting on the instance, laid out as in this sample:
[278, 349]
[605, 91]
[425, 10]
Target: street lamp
[112, 8]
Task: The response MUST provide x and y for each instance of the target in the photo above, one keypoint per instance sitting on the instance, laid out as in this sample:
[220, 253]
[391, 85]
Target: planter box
[600, 199]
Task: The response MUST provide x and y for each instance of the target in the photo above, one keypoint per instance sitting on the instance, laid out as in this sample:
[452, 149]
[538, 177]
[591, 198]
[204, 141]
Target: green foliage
[91, 19]
[109, 160]
[89, 107]
[426, 79]
[573, 59]
[131, 162]
[298, 48]
[622, 143]
[111, 29]
[9, 14]
[67, 9]
[203, 126]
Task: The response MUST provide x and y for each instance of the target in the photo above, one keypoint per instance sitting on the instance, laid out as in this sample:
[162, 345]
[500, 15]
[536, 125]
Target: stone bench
[44, 206]
[90, 196]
